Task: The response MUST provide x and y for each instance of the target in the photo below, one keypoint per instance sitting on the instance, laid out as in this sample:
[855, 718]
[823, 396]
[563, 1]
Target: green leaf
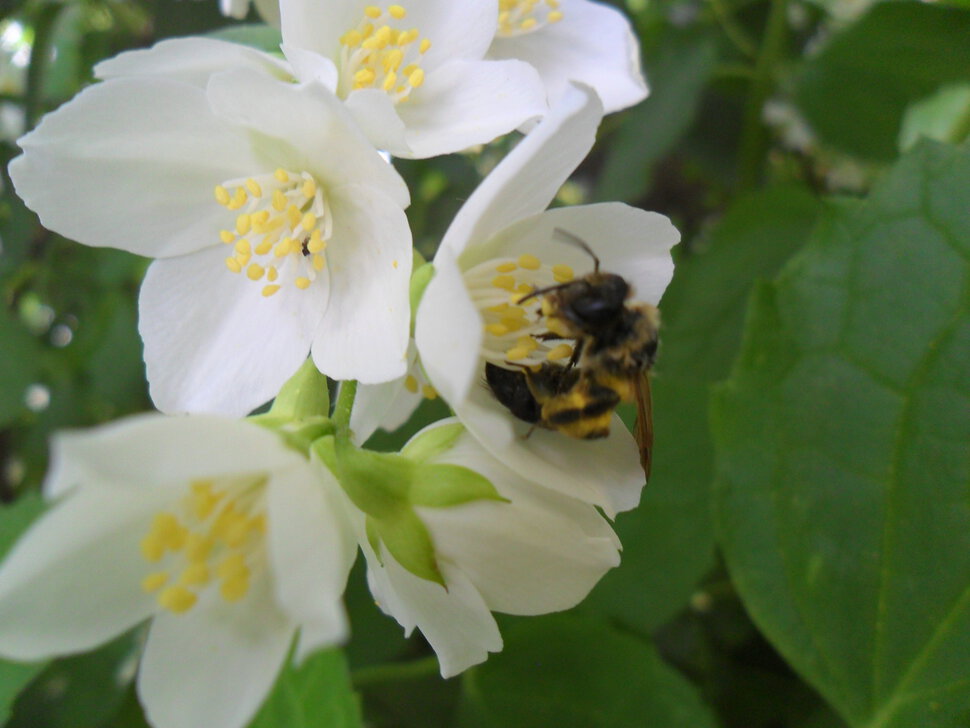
[317, 694]
[678, 76]
[855, 91]
[843, 457]
[14, 521]
[563, 672]
[944, 116]
[18, 365]
[703, 309]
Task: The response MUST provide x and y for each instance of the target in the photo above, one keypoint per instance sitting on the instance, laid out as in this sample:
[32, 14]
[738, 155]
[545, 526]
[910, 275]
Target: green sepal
[377, 483]
[420, 279]
[440, 485]
[306, 394]
[432, 442]
[409, 542]
[300, 435]
[374, 538]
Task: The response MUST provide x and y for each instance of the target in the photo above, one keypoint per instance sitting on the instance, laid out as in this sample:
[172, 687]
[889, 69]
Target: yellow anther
[177, 599]
[254, 189]
[233, 265]
[559, 352]
[411, 384]
[351, 38]
[279, 201]
[234, 589]
[397, 11]
[243, 259]
[529, 262]
[513, 323]
[255, 272]
[394, 264]
[528, 24]
[154, 582]
[367, 31]
[293, 215]
[242, 246]
[506, 267]
[308, 221]
[364, 77]
[408, 36]
[523, 289]
[271, 274]
[516, 353]
[270, 290]
[316, 243]
[392, 61]
[283, 247]
[233, 565]
[500, 308]
[505, 282]
[265, 246]
[198, 547]
[389, 81]
[527, 342]
[372, 11]
[237, 532]
[309, 188]
[425, 45]
[152, 548]
[260, 218]
[227, 236]
[496, 329]
[562, 273]
[302, 283]
[222, 195]
[429, 392]
[318, 262]
[195, 574]
[238, 199]
[243, 223]
[281, 175]
[416, 77]
[503, 18]
[554, 17]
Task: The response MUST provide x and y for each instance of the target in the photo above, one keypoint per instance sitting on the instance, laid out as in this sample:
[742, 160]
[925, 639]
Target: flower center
[215, 535]
[516, 332]
[517, 17]
[379, 53]
[282, 226]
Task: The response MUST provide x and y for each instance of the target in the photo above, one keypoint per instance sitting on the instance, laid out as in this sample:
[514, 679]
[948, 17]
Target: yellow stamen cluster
[379, 54]
[514, 328]
[280, 230]
[517, 17]
[414, 385]
[213, 535]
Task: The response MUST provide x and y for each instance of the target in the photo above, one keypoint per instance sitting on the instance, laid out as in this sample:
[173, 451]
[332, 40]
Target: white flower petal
[237, 9]
[317, 132]
[605, 472]
[269, 11]
[527, 180]
[191, 60]
[463, 103]
[309, 66]
[213, 342]
[593, 44]
[74, 579]
[529, 556]
[632, 242]
[132, 163]
[448, 331]
[388, 405]
[149, 451]
[376, 115]
[456, 623]
[457, 30]
[212, 666]
[364, 332]
[317, 26]
[311, 550]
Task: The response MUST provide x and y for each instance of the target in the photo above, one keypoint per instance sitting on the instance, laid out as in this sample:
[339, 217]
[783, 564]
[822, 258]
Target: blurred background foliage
[801, 557]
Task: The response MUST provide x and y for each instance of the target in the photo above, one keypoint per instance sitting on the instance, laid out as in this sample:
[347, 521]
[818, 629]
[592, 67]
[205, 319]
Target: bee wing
[643, 430]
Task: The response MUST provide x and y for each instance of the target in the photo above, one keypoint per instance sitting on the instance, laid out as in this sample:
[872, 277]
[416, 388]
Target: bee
[615, 347]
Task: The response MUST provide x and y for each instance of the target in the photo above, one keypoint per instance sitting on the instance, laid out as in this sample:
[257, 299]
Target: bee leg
[577, 352]
[528, 434]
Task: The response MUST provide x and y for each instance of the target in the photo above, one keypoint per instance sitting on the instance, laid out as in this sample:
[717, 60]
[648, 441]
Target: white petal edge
[213, 342]
[526, 181]
[309, 66]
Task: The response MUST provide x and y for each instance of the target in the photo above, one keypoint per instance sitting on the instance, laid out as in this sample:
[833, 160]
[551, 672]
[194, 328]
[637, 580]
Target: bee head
[601, 302]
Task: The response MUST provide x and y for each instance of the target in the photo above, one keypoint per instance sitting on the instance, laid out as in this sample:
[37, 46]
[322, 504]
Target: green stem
[40, 57]
[753, 134]
[344, 406]
[366, 677]
[732, 30]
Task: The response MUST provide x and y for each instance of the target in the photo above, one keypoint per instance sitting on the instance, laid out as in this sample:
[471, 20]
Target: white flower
[501, 245]
[573, 40]
[304, 245]
[413, 73]
[535, 552]
[229, 541]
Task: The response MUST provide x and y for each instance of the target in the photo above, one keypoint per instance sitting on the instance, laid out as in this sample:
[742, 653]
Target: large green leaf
[855, 91]
[565, 672]
[843, 442]
[317, 694]
[19, 365]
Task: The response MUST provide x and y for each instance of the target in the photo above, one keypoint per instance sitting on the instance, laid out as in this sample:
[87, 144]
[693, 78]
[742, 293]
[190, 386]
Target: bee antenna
[568, 237]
